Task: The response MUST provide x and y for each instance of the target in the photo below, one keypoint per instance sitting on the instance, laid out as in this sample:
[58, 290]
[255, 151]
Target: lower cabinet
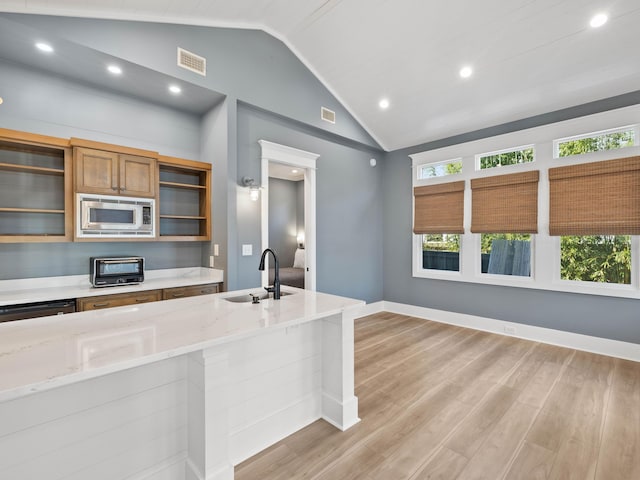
[117, 300]
[180, 292]
[121, 299]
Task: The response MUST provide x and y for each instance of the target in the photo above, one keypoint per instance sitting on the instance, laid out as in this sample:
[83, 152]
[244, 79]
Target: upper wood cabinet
[35, 188]
[111, 173]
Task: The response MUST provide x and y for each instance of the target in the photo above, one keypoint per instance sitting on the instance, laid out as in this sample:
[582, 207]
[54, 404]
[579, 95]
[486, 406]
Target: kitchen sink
[247, 297]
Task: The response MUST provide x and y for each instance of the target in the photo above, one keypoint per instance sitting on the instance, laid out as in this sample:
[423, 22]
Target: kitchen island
[181, 389]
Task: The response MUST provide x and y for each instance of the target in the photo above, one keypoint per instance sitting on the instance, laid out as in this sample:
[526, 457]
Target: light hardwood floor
[444, 402]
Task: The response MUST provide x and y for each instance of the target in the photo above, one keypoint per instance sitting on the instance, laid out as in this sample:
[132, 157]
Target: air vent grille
[328, 115]
[192, 62]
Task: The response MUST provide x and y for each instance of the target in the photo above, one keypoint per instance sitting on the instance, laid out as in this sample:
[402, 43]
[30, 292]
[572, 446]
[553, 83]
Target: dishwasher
[9, 313]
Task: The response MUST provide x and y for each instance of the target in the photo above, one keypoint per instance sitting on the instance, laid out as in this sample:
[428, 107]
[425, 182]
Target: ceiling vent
[192, 62]
[328, 115]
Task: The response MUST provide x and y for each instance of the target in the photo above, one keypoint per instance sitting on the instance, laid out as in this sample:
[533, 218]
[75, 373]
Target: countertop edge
[65, 380]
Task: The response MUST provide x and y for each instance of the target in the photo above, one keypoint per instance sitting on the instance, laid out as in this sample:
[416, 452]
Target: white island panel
[182, 389]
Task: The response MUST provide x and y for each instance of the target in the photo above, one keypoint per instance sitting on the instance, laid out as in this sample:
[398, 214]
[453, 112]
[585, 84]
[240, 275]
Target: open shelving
[184, 200]
[35, 188]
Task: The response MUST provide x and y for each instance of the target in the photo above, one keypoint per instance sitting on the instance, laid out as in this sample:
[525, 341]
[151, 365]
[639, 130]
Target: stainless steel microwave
[110, 216]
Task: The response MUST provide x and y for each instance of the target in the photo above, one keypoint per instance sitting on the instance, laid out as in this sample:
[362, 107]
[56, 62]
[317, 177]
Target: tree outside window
[596, 258]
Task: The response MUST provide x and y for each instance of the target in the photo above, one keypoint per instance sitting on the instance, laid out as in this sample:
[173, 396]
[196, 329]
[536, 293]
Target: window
[505, 157]
[596, 258]
[440, 169]
[506, 254]
[441, 252]
[566, 225]
[595, 142]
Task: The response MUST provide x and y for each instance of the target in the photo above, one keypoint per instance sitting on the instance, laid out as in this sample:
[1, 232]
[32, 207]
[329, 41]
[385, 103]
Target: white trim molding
[602, 346]
[274, 152]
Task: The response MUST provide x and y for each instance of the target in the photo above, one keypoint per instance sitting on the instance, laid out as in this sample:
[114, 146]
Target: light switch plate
[216, 249]
[247, 250]
[210, 261]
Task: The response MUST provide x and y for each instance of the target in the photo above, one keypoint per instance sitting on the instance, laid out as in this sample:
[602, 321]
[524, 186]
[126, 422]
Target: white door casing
[306, 161]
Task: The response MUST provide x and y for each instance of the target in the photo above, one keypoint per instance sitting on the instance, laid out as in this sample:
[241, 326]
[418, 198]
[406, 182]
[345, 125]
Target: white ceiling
[285, 172]
[529, 56]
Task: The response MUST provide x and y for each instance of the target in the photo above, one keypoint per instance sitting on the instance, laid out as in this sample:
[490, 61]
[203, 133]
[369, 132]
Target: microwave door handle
[87, 223]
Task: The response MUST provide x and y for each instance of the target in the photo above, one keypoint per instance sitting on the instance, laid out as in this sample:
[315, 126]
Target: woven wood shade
[439, 208]
[600, 198]
[505, 203]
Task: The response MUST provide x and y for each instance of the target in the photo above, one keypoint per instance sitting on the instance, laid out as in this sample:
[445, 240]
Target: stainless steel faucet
[276, 279]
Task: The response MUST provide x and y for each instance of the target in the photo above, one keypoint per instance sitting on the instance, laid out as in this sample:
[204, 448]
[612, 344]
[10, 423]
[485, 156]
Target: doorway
[276, 157]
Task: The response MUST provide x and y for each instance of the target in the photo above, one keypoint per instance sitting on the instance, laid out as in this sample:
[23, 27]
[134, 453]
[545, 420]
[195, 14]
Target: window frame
[480, 156]
[434, 270]
[545, 249]
[444, 163]
[556, 142]
[497, 275]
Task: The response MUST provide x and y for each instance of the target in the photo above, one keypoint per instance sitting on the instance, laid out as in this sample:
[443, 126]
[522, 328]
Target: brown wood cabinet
[192, 291]
[35, 188]
[112, 173]
[39, 176]
[117, 300]
[133, 298]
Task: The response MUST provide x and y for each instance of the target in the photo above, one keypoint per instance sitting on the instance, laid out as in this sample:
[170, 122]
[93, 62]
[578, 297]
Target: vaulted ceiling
[528, 56]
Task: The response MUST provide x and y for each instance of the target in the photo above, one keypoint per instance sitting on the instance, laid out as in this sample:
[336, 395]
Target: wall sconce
[254, 188]
[300, 240]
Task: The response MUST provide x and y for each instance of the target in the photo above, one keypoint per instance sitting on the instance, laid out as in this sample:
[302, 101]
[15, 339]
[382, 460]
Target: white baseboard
[370, 309]
[603, 346]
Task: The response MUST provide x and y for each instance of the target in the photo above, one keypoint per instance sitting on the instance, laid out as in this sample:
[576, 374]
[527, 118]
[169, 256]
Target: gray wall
[249, 65]
[43, 104]
[349, 206]
[599, 316]
[283, 218]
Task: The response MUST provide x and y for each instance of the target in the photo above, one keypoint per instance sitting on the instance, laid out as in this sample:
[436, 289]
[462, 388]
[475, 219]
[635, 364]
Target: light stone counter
[28, 290]
[193, 385]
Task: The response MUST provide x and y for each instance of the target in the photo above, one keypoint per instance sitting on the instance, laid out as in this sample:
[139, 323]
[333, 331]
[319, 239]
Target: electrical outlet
[509, 330]
[247, 250]
[216, 249]
[210, 261]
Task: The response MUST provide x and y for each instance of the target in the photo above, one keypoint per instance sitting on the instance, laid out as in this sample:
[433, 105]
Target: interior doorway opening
[296, 238]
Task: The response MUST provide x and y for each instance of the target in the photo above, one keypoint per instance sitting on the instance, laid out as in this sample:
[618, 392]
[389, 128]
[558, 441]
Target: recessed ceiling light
[1, 100]
[175, 89]
[294, 171]
[44, 47]
[116, 70]
[465, 72]
[598, 20]
[384, 103]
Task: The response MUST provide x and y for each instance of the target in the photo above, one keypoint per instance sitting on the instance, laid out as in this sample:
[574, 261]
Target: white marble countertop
[28, 290]
[43, 353]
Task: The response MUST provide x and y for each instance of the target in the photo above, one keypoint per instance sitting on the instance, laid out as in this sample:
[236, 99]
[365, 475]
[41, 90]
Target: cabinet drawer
[181, 292]
[118, 300]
